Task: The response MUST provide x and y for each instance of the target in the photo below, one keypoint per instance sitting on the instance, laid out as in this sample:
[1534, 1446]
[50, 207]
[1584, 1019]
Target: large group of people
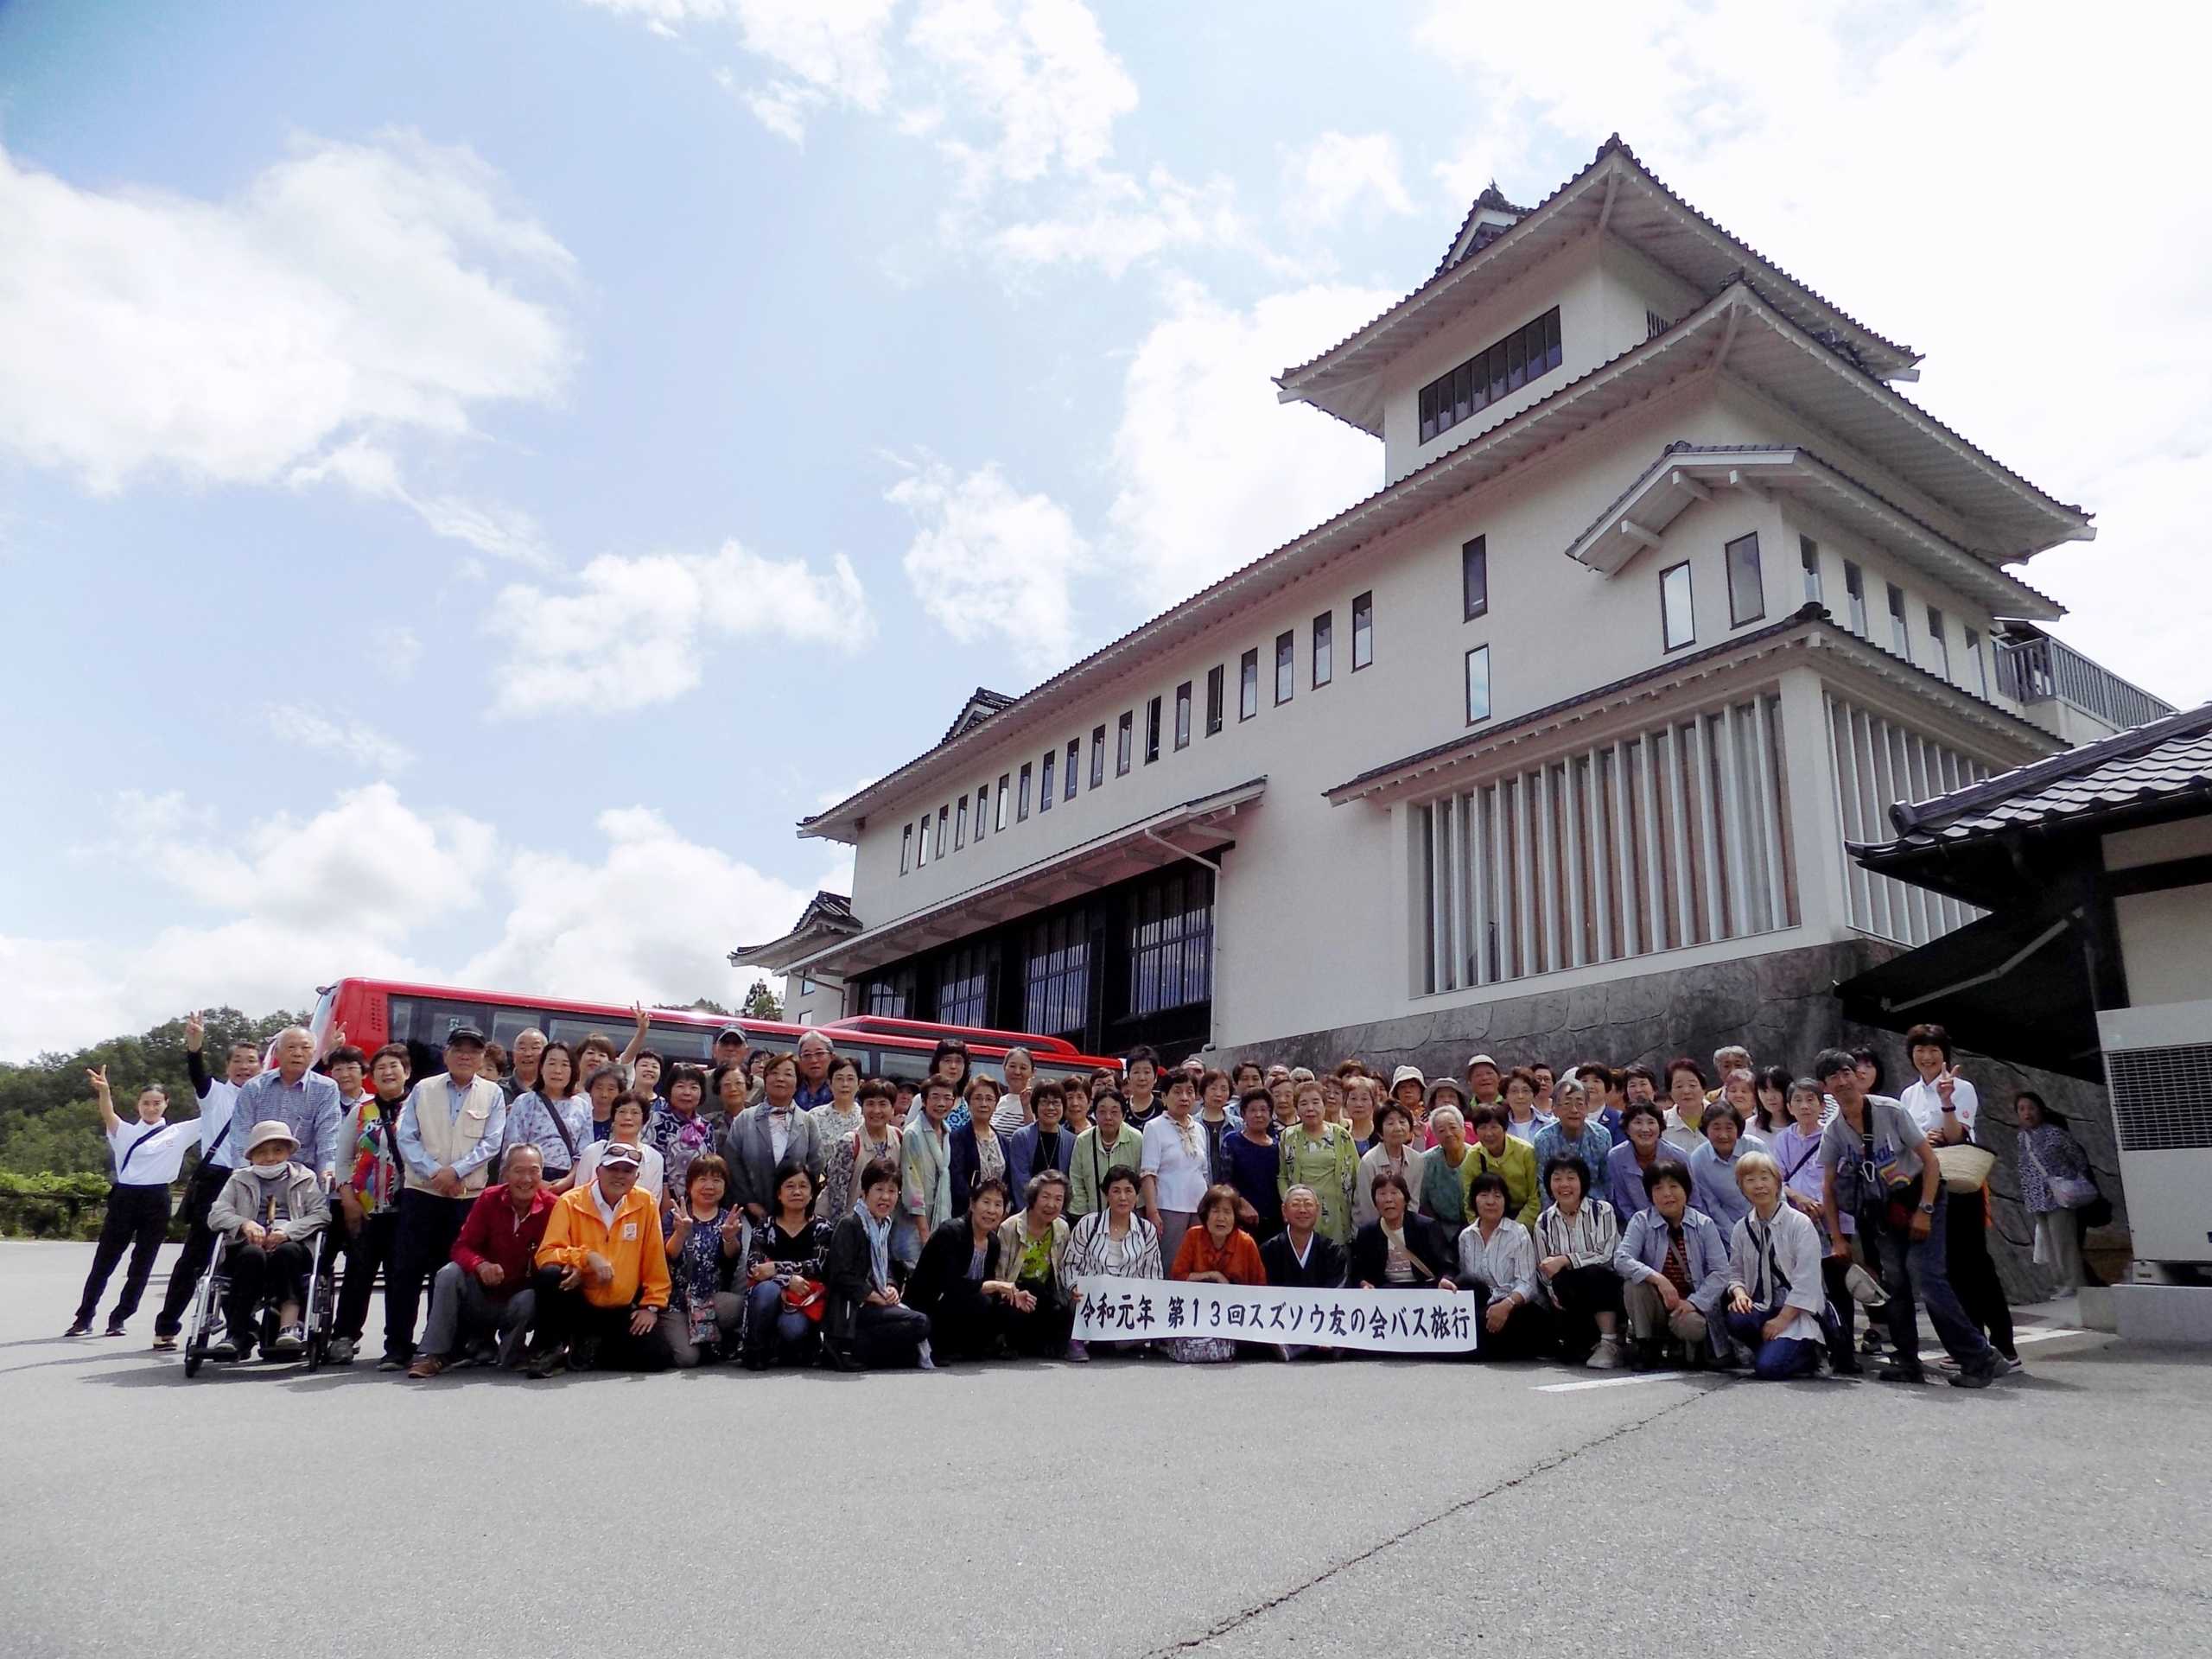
[578, 1206]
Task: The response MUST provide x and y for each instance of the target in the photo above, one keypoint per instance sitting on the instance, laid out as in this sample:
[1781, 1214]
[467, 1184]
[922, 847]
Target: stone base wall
[1782, 1006]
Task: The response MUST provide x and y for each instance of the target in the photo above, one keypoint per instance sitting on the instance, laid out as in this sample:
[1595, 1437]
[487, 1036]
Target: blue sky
[471, 475]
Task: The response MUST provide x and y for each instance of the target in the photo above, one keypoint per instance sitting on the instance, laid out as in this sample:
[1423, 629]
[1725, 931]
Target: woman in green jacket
[1319, 1154]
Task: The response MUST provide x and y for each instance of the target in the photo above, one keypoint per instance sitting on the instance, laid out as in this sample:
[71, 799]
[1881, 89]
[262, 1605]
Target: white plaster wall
[2165, 945]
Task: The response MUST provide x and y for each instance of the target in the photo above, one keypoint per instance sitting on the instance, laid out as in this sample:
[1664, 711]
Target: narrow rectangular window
[1477, 684]
[1940, 659]
[1977, 676]
[1529, 351]
[1746, 589]
[1005, 794]
[1045, 781]
[1324, 630]
[1808, 554]
[943, 818]
[1248, 685]
[1183, 715]
[1075, 763]
[1678, 624]
[1363, 632]
[1021, 800]
[906, 849]
[1097, 756]
[1286, 666]
[1855, 588]
[983, 809]
[960, 825]
[922, 845]
[1215, 676]
[1900, 632]
[1474, 576]
[1152, 731]
[1124, 739]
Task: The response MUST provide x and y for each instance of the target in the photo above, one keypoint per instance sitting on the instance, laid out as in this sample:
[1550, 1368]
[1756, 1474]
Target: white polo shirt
[1927, 1106]
[149, 1154]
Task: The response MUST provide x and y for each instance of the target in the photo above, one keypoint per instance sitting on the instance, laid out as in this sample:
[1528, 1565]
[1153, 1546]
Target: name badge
[629, 1231]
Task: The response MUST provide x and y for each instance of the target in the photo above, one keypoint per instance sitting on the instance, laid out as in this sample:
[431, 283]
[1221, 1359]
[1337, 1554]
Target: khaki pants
[1647, 1313]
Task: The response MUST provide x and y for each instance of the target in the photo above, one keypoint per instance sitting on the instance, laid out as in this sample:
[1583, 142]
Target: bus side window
[507, 1024]
[681, 1045]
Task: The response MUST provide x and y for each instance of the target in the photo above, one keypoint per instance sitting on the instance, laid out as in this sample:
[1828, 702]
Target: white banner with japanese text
[1389, 1321]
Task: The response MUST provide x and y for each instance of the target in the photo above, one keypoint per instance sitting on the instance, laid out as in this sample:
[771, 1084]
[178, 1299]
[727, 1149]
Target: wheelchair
[206, 1319]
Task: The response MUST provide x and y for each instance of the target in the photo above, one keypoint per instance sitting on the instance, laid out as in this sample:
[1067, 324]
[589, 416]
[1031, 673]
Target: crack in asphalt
[1245, 1616]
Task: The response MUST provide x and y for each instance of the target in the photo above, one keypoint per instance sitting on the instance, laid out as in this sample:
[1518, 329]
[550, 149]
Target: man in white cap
[269, 1210]
[1485, 1083]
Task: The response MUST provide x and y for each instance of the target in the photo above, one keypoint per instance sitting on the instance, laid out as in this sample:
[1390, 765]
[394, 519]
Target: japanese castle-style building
[1553, 746]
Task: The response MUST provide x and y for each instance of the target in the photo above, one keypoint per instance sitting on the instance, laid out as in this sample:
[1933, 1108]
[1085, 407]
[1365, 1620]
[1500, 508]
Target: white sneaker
[292, 1339]
[927, 1363]
[1606, 1356]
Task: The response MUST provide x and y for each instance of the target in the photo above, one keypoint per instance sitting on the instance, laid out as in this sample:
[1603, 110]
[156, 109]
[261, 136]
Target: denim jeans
[769, 1319]
[1913, 1270]
[1776, 1359]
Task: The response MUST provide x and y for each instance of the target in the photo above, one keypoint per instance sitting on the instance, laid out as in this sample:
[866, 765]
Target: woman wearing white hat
[269, 1209]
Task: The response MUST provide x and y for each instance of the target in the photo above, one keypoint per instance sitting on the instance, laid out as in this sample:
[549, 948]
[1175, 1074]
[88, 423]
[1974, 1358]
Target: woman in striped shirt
[1575, 1239]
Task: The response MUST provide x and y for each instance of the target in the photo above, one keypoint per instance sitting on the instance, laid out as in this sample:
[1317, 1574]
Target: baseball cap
[733, 1034]
[464, 1037]
[1481, 1059]
[619, 1154]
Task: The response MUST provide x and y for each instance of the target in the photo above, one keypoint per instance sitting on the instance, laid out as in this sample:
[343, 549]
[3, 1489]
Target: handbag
[1965, 1166]
[2071, 1192]
[805, 1296]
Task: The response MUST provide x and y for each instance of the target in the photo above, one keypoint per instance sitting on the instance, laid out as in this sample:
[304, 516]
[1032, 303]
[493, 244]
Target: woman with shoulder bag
[2056, 1189]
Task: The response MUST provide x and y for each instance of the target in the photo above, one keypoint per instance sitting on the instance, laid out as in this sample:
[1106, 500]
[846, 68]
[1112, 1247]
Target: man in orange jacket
[602, 1277]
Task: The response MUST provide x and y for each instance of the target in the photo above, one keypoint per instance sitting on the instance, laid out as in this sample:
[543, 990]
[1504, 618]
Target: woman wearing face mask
[270, 1209]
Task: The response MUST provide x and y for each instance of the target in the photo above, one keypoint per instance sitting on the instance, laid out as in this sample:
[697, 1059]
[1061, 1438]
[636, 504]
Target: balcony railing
[2039, 668]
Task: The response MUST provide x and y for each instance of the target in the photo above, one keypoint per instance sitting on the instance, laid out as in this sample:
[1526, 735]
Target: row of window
[1746, 604]
[1057, 775]
[1505, 366]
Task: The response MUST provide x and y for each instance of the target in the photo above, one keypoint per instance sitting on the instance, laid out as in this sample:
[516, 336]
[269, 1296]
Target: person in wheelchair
[268, 1213]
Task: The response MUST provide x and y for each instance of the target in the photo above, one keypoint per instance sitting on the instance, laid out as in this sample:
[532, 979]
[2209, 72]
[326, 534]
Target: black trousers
[137, 1219]
[368, 1247]
[887, 1338]
[280, 1275]
[1528, 1333]
[198, 1247]
[563, 1316]
[1583, 1294]
[423, 1243]
[1973, 1275]
[967, 1324]
[1043, 1332]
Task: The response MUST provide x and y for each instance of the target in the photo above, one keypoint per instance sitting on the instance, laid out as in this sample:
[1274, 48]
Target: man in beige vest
[449, 1132]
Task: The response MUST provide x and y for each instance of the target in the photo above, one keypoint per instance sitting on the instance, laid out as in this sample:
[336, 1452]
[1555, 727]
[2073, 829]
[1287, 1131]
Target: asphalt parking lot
[1125, 1508]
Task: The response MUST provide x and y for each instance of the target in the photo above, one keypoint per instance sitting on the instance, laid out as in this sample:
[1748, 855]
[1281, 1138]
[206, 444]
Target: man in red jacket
[486, 1287]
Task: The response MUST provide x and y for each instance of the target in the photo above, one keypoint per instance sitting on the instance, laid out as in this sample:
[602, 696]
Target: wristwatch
[1927, 1209]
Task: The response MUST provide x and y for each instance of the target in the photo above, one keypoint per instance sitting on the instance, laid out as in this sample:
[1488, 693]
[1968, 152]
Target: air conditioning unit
[2158, 1066]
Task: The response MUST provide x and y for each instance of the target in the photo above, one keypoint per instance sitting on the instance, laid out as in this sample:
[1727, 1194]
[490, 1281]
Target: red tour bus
[373, 1011]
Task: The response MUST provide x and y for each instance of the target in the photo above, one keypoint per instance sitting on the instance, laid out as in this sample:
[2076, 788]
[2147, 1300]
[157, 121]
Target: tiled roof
[2166, 760]
[978, 709]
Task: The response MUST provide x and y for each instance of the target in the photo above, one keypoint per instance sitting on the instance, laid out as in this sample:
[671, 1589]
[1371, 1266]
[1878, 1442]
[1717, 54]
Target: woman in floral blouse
[840, 1116]
[876, 1137]
[681, 1129]
[709, 1245]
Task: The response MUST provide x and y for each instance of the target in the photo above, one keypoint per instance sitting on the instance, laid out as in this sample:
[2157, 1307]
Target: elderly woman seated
[962, 1281]
[1674, 1263]
[1399, 1250]
[1775, 1296]
[1032, 1253]
[1216, 1251]
[1497, 1261]
[1114, 1241]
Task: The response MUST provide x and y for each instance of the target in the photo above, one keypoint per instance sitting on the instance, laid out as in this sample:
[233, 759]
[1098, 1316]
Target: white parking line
[1606, 1381]
[2039, 1333]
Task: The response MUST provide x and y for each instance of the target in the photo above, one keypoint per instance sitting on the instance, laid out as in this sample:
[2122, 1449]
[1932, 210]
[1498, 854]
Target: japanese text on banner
[1389, 1321]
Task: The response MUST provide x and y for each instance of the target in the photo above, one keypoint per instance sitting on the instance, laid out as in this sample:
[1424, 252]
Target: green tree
[761, 1003]
[48, 1123]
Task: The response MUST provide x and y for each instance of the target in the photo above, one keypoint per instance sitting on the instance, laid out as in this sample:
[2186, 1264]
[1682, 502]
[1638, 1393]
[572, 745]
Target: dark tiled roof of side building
[2166, 761]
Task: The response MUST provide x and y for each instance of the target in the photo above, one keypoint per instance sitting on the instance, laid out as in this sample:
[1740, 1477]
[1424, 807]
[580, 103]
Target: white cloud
[657, 918]
[353, 300]
[1035, 76]
[1324, 179]
[1214, 472]
[825, 50]
[395, 649]
[987, 561]
[632, 632]
[298, 903]
[361, 744]
[1995, 183]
